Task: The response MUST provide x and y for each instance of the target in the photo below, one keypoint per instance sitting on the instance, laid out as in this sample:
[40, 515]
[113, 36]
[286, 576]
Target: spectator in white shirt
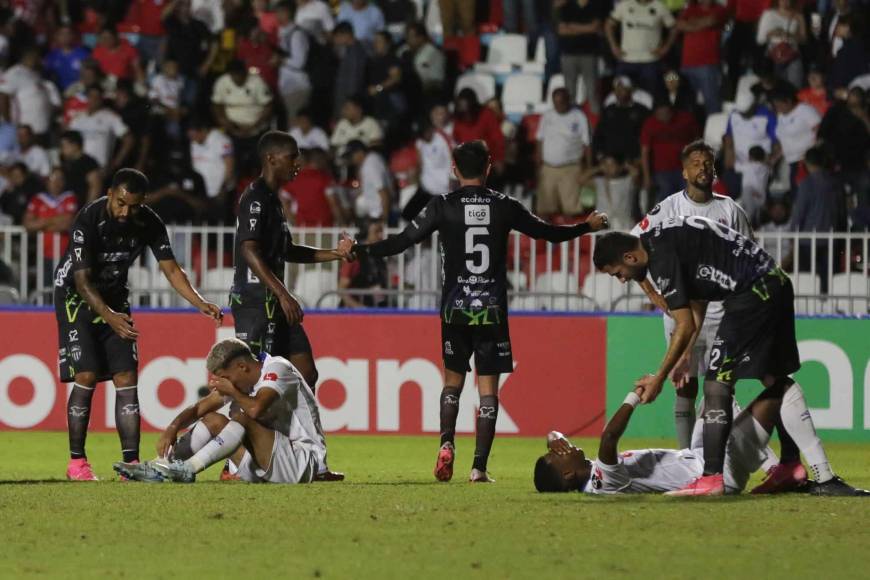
[315, 17]
[562, 147]
[211, 153]
[428, 59]
[294, 85]
[31, 154]
[796, 125]
[642, 23]
[375, 182]
[165, 93]
[307, 134]
[355, 125]
[101, 127]
[25, 97]
[615, 183]
[435, 163]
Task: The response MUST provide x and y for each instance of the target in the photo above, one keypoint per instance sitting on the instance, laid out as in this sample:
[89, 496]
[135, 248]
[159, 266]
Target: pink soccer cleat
[80, 470]
[705, 485]
[782, 478]
[444, 465]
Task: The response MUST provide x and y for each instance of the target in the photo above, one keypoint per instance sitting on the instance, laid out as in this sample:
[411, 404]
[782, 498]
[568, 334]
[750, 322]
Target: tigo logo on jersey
[270, 377]
[477, 215]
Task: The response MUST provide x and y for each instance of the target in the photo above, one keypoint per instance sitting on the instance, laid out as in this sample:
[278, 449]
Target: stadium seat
[312, 284]
[537, 65]
[139, 279]
[216, 285]
[483, 85]
[522, 94]
[558, 82]
[851, 284]
[807, 290]
[506, 53]
[714, 129]
[603, 289]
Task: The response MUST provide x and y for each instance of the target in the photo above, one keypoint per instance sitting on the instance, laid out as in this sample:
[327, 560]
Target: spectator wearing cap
[63, 63]
[618, 129]
[642, 24]
[242, 105]
[117, 57]
[375, 182]
[367, 273]
[662, 138]
[190, 43]
[316, 18]
[749, 125]
[562, 148]
[81, 171]
[25, 97]
[428, 60]
[355, 125]
[579, 24]
[101, 128]
[211, 154]
[365, 17]
[782, 30]
[816, 93]
[472, 121]
[796, 126]
[701, 23]
[350, 74]
[307, 134]
[52, 211]
[309, 199]
[31, 153]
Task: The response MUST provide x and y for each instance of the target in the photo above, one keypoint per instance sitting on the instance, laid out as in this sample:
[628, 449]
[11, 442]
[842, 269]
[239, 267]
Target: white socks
[199, 436]
[799, 424]
[684, 420]
[220, 447]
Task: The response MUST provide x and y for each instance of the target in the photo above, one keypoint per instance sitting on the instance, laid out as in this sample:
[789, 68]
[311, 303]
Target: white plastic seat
[483, 85]
[522, 94]
[857, 287]
[506, 52]
[807, 288]
[216, 284]
[558, 82]
[603, 289]
[714, 129]
[311, 285]
[139, 280]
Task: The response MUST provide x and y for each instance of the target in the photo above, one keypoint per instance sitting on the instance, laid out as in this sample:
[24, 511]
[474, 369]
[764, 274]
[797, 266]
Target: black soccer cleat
[836, 487]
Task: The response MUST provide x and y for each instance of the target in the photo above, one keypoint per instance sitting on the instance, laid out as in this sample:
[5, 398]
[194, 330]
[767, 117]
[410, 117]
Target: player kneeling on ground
[273, 433]
[566, 468]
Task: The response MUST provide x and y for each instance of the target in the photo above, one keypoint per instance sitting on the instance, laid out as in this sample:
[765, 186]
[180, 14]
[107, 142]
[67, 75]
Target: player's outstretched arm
[534, 227]
[420, 227]
[120, 322]
[253, 407]
[608, 448]
[300, 254]
[250, 250]
[211, 402]
[680, 372]
[651, 385]
[181, 283]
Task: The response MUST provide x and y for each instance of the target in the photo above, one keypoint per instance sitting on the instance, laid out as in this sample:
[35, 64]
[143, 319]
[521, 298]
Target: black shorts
[756, 336]
[264, 328]
[87, 343]
[490, 344]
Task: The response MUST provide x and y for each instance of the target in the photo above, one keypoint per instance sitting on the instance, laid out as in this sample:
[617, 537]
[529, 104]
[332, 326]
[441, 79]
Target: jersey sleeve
[656, 215]
[609, 478]
[279, 377]
[82, 244]
[426, 222]
[528, 223]
[740, 222]
[251, 226]
[665, 271]
[158, 239]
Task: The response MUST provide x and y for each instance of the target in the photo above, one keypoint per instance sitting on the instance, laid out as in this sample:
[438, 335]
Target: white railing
[829, 272]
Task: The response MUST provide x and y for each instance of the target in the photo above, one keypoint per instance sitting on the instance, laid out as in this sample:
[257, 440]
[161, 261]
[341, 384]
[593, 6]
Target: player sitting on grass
[273, 433]
[566, 468]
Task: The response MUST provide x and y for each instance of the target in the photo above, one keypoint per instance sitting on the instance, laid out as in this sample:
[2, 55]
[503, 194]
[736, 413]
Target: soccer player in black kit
[267, 317]
[474, 223]
[694, 260]
[96, 332]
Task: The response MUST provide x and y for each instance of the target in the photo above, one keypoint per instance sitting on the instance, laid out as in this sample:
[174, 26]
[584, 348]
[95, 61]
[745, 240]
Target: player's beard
[704, 185]
[638, 273]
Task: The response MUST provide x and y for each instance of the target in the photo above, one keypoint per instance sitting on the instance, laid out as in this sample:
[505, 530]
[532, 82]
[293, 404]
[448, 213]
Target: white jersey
[720, 209]
[645, 471]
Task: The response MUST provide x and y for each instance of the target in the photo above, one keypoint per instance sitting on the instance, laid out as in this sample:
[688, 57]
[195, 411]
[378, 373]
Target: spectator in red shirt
[701, 24]
[146, 18]
[742, 50]
[662, 138]
[473, 121]
[308, 200]
[52, 212]
[257, 52]
[816, 94]
[117, 57]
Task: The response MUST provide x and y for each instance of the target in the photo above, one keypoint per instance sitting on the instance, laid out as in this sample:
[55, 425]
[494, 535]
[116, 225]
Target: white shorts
[290, 463]
[701, 351]
[746, 450]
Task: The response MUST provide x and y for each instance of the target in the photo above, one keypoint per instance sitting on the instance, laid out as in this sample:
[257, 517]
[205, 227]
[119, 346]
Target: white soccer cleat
[478, 476]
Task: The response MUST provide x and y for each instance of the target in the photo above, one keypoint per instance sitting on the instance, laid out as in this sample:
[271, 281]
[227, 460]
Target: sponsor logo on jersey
[75, 352]
[78, 237]
[73, 335]
[255, 207]
[270, 377]
[718, 277]
[656, 209]
[476, 215]
[448, 348]
[252, 223]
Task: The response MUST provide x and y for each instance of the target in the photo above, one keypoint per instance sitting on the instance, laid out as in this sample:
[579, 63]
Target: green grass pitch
[390, 519]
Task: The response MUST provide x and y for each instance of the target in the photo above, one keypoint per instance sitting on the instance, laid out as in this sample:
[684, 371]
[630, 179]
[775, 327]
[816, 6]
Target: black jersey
[261, 218]
[694, 258]
[108, 247]
[473, 223]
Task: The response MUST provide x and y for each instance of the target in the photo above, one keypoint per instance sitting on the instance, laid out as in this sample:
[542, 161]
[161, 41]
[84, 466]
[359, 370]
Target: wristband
[632, 399]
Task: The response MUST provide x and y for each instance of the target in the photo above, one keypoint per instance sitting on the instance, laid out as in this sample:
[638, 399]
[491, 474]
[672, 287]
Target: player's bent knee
[125, 379]
[86, 379]
[214, 422]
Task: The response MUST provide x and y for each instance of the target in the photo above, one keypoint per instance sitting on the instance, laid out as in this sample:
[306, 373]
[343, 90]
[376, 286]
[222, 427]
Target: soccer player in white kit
[273, 433]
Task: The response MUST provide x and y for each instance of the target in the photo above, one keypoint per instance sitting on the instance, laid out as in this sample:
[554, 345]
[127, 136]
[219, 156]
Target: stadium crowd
[183, 89]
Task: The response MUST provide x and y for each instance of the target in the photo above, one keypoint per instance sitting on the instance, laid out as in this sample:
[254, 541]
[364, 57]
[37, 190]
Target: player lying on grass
[273, 433]
[566, 468]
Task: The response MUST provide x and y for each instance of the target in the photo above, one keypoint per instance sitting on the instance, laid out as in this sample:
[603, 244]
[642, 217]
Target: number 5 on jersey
[474, 249]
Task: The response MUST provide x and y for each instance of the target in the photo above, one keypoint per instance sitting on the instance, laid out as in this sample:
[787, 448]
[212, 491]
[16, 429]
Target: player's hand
[166, 442]
[680, 373]
[557, 443]
[292, 311]
[345, 247]
[597, 221]
[122, 324]
[213, 311]
[648, 388]
[221, 385]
